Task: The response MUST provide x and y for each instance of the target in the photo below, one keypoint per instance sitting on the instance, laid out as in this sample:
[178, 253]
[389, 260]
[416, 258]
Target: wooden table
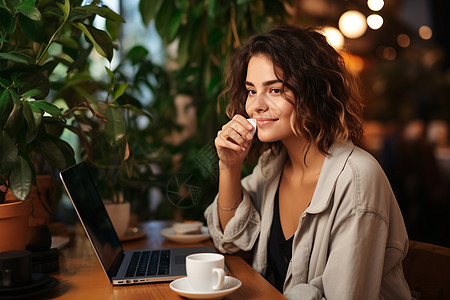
[81, 275]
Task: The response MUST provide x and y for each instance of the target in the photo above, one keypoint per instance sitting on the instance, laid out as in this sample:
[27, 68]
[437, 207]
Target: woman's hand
[233, 141]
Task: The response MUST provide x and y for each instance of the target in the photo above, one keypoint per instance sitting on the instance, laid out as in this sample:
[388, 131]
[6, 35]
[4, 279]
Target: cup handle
[221, 278]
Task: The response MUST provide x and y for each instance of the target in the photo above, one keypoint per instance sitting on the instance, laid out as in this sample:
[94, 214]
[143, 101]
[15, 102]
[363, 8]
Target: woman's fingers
[239, 129]
[233, 136]
[236, 143]
[233, 140]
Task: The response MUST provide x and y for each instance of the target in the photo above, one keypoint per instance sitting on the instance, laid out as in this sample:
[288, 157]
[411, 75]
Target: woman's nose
[259, 103]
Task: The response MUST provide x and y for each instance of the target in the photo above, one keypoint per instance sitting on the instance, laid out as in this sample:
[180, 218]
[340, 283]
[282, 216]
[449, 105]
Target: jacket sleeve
[357, 253]
[304, 291]
[242, 231]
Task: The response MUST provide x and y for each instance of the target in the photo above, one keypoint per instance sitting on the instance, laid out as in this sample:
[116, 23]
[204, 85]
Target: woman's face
[265, 101]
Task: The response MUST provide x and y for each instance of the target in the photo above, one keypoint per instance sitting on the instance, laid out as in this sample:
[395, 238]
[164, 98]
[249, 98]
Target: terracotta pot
[40, 200]
[14, 224]
[39, 237]
[40, 197]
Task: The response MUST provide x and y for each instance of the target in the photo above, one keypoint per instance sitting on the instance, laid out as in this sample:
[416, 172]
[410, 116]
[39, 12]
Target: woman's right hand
[233, 141]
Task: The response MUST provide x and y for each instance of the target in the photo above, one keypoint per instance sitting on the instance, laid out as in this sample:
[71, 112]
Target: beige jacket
[350, 241]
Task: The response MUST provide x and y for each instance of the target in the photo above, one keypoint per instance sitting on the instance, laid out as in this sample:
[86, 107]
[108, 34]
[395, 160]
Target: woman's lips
[261, 122]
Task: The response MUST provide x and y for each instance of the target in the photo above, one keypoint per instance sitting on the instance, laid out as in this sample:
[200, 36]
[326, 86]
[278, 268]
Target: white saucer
[182, 287]
[169, 234]
[132, 233]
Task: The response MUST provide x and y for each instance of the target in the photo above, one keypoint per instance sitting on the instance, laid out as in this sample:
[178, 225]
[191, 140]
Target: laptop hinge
[116, 266]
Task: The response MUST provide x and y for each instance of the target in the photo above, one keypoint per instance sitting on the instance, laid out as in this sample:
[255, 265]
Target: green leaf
[115, 127]
[57, 152]
[8, 153]
[33, 117]
[110, 74]
[28, 8]
[52, 127]
[65, 9]
[34, 30]
[15, 119]
[183, 47]
[31, 93]
[68, 42]
[119, 89]
[21, 178]
[164, 18]
[149, 9]
[17, 57]
[102, 11]
[7, 22]
[78, 16]
[113, 29]
[49, 108]
[212, 9]
[99, 38]
[137, 54]
[5, 107]
[174, 25]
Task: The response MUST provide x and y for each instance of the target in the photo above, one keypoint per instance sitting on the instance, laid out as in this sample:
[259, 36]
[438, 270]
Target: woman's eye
[275, 91]
[251, 92]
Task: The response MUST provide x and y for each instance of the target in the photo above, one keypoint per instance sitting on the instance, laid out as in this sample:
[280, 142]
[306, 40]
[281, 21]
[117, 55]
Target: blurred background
[172, 56]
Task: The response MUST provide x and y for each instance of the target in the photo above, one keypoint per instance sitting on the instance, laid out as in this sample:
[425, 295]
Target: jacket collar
[332, 167]
[273, 165]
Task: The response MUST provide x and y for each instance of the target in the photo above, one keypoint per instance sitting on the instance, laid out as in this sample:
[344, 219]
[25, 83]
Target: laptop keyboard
[147, 263]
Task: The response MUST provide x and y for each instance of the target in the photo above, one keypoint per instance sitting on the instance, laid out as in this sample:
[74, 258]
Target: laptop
[121, 267]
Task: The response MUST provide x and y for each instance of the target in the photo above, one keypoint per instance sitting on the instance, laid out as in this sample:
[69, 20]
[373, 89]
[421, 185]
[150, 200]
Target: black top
[280, 249]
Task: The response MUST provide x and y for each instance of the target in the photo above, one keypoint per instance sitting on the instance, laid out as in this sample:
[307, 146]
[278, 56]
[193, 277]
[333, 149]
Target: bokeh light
[352, 24]
[387, 53]
[334, 37]
[425, 32]
[375, 5]
[375, 21]
[403, 40]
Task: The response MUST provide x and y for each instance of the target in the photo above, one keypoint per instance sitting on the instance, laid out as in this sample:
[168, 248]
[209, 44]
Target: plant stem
[41, 56]
[237, 42]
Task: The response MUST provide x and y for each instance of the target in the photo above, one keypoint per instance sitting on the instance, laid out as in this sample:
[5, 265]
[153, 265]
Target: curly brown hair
[327, 104]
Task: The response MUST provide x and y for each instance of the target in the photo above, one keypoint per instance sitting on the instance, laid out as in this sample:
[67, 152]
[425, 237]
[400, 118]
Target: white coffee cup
[205, 271]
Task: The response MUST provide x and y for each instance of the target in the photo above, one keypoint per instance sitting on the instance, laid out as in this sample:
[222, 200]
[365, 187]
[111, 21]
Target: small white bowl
[187, 227]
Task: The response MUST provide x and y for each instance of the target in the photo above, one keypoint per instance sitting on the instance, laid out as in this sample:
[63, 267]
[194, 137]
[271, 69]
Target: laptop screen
[89, 206]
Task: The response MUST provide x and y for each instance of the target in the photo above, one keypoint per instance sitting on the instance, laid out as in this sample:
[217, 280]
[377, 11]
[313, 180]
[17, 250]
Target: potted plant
[112, 151]
[44, 48]
[201, 35]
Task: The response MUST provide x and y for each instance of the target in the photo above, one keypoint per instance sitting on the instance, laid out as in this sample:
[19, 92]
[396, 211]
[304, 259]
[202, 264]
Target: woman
[317, 211]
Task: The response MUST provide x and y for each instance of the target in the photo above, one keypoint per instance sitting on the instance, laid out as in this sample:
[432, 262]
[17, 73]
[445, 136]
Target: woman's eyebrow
[266, 83]
[270, 82]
